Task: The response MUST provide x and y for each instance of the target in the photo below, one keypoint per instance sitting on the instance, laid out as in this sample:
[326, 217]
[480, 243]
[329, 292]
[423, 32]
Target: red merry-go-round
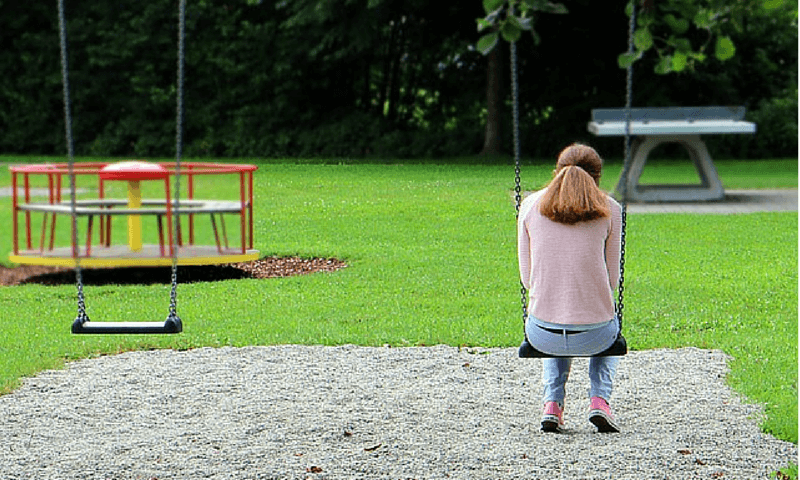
[38, 202]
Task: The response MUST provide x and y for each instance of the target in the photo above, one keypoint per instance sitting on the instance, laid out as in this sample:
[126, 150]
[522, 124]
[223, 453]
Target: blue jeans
[584, 343]
[555, 372]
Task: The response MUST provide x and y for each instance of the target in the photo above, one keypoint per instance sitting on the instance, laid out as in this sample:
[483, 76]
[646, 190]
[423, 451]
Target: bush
[776, 120]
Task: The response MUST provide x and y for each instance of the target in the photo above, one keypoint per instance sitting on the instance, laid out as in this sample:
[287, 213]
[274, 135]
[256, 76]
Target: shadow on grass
[268, 267]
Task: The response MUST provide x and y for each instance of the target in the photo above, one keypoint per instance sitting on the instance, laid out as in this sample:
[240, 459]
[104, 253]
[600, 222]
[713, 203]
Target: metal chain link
[517, 166]
[628, 102]
[515, 110]
[626, 165]
[173, 298]
[621, 288]
[62, 29]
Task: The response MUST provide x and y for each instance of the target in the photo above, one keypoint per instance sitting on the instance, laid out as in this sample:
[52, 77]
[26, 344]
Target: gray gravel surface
[295, 412]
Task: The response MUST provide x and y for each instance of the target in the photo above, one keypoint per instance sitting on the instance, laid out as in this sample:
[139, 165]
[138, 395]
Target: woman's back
[570, 270]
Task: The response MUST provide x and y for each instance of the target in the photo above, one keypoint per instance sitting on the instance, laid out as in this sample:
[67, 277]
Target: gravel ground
[295, 412]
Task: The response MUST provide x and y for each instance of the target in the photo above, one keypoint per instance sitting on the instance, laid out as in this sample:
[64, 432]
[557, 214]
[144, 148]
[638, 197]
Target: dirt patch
[268, 267]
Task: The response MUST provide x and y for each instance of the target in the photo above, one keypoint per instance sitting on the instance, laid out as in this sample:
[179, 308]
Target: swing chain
[628, 102]
[173, 297]
[626, 164]
[515, 103]
[621, 288]
[62, 27]
[517, 168]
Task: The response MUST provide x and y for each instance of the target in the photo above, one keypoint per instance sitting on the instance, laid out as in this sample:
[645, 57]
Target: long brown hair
[574, 194]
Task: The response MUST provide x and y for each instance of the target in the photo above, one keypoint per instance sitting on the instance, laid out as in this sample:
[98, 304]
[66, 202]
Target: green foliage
[509, 18]
[681, 31]
[487, 42]
[777, 124]
[368, 78]
[724, 48]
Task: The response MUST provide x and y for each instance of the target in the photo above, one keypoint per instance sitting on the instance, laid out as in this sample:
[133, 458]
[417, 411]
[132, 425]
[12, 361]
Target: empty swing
[82, 324]
[620, 346]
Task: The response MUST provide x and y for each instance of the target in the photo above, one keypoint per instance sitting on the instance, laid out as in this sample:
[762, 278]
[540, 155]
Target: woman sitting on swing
[569, 253]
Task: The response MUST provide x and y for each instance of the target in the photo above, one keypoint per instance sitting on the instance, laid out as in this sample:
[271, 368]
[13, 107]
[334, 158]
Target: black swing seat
[83, 326]
[617, 349]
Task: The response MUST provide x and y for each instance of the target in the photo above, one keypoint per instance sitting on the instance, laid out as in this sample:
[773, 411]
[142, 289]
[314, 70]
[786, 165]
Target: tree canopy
[372, 78]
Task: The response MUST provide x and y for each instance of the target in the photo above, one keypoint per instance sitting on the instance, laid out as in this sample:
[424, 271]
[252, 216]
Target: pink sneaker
[600, 416]
[553, 418]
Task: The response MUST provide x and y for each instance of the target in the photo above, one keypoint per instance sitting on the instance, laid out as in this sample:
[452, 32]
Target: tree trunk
[383, 93]
[492, 141]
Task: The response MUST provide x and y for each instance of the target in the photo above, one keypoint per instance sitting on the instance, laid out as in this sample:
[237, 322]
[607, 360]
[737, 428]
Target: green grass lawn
[431, 253]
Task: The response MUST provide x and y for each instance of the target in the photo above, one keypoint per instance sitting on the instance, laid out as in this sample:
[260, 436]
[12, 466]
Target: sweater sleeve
[613, 244]
[524, 243]
[524, 253]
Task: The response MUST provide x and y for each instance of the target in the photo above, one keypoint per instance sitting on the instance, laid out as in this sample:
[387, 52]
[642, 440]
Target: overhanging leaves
[511, 29]
[490, 6]
[487, 42]
[683, 31]
[643, 39]
[625, 60]
[679, 61]
[724, 48]
[546, 7]
[510, 18]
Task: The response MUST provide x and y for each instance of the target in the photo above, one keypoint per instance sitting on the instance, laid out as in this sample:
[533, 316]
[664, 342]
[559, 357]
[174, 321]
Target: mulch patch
[268, 267]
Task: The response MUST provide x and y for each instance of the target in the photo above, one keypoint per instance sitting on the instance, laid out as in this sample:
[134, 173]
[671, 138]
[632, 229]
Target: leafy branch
[509, 18]
[684, 32]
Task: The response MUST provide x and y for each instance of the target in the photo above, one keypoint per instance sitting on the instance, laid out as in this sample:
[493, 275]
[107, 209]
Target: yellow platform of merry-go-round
[85, 250]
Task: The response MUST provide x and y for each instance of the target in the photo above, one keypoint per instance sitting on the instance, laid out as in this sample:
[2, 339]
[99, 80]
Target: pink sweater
[570, 271]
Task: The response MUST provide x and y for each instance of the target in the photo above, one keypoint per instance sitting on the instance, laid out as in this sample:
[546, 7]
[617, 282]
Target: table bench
[651, 127]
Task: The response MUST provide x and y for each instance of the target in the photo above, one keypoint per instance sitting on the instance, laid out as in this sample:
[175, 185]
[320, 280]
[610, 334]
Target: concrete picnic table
[683, 125]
